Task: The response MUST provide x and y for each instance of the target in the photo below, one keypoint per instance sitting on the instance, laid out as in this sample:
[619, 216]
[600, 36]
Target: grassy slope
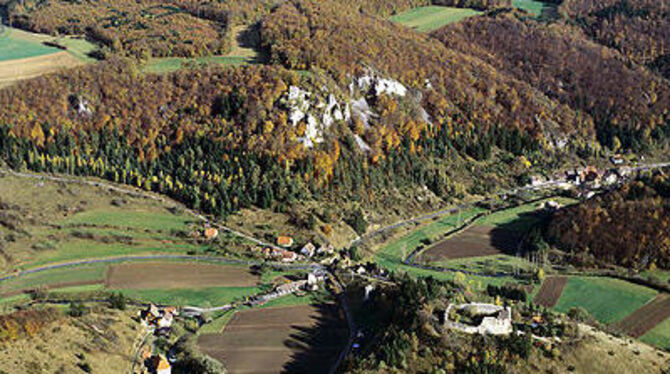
[239, 55]
[428, 18]
[659, 336]
[17, 44]
[169, 64]
[608, 300]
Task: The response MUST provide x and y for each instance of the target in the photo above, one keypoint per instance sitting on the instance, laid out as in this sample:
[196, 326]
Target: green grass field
[496, 263]
[531, 6]
[79, 48]
[170, 64]
[429, 18]
[608, 300]
[56, 276]
[202, 297]
[659, 336]
[15, 44]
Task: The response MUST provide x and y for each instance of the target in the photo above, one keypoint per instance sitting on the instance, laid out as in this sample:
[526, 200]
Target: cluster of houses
[584, 180]
[156, 364]
[283, 252]
[159, 322]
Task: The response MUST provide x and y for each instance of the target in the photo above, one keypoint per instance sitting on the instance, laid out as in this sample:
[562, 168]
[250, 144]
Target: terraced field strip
[304, 338]
[550, 292]
[428, 18]
[647, 317]
[166, 275]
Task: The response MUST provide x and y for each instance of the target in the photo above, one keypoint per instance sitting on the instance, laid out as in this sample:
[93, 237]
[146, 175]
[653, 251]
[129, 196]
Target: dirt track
[275, 340]
[25, 68]
[550, 292]
[646, 317]
[476, 241]
[166, 275]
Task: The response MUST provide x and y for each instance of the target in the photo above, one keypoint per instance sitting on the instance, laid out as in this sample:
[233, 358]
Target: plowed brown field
[473, 242]
[166, 275]
[299, 339]
[550, 292]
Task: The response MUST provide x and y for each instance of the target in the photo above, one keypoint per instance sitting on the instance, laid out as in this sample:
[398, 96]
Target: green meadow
[429, 18]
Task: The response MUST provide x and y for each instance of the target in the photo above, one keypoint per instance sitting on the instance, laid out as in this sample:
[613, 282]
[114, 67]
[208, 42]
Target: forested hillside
[460, 92]
[628, 227]
[625, 102]
[639, 29]
[345, 102]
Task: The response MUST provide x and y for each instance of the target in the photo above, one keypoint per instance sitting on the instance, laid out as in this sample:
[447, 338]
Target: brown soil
[550, 292]
[168, 275]
[273, 340]
[473, 242]
[15, 70]
[646, 317]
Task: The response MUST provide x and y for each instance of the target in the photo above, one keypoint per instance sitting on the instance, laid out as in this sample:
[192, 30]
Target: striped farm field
[550, 292]
[647, 317]
[659, 336]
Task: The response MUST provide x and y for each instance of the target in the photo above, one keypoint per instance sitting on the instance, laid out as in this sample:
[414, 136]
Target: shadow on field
[317, 347]
[507, 237]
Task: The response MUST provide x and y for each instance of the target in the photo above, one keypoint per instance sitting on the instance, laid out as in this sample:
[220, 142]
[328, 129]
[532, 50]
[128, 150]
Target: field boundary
[550, 292]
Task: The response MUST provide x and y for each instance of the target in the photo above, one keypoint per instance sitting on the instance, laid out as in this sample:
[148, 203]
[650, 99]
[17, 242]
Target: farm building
[285, 241]
[161, 365]
[211, 233]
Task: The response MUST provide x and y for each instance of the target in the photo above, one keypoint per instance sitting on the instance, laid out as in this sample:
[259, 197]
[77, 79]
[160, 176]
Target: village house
[284, 241]
[157, 320]
[308, 250]
[161, 365]
[617, 160]
[211, 233]
[610, 177]
[288, 256]
[325, 249]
